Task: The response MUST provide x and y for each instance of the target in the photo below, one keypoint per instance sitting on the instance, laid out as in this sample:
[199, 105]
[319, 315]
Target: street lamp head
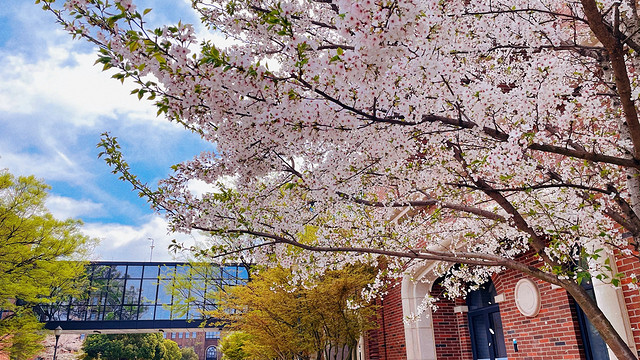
[57, 331]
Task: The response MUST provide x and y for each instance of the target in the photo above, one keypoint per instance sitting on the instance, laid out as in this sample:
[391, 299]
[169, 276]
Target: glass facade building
[144, 295]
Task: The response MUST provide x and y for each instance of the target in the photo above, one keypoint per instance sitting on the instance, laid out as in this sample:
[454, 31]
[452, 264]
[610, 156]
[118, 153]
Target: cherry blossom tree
[468, 132]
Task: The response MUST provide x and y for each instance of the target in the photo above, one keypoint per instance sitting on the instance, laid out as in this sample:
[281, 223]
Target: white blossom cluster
[468, 118]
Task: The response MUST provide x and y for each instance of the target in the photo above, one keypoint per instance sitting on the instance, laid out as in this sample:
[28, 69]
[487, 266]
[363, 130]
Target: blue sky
[54, 104]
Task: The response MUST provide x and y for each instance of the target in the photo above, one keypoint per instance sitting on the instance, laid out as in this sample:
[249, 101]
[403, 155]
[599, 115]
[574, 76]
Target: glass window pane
[96, 298]
[129, 312]
[146, 312]
[80, 301]
[98, 285]
[183, 269]
[243, 273]
[167, 271]
[164, 295]
[150, 271]
[77, 312]
[229, 272]
[132, 291]
[149, 288]
[178, 315]
[199, 271]
[94, 313]
[197, 289]
[111, 313]
[118, 272]
[61, 313]
[162, 313]
[101, 271]
[194, 313]
[214, 272]
[134, 272]
[115, 292]
[212, 353]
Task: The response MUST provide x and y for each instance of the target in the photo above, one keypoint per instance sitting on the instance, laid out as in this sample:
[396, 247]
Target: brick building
[510, 317]
[205, 343]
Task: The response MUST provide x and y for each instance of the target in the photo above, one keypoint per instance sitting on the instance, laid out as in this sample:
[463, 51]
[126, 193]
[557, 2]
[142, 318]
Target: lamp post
[57, 332]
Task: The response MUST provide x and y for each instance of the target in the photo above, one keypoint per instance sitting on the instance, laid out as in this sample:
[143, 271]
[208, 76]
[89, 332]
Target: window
[179, 335]
[173, 335]
[82, 336]
[194, 334]
[212, 353]
[186, 335]
[212, 335]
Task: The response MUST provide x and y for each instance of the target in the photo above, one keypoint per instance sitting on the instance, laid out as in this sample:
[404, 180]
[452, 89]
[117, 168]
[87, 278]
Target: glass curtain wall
[121, 291]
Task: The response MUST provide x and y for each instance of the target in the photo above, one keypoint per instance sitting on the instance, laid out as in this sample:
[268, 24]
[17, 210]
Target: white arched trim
[419, 336]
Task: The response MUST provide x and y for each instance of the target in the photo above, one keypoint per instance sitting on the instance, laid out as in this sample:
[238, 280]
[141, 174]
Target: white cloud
[64, 207]
[68, 82]
[51, 166]
[126, 242]
[199, 187]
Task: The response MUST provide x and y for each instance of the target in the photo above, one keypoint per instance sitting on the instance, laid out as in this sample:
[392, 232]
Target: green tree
[286, 318]
[34, 249]
[188, 354]
[130, 347]
[233, 346]
[172, 350]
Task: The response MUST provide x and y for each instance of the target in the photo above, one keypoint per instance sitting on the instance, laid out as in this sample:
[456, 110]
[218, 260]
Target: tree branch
[619, 66]
[426, 203]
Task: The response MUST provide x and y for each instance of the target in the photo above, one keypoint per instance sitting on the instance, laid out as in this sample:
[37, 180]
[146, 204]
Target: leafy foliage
[188, 353]
[35, 266]
[277, 316]
[233, 346]
[130, 347]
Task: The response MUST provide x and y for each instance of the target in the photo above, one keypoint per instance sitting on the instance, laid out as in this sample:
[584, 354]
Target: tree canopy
[235, 346]
[130, 347]
[188, 353]
[35, 266]
[467, 132]
[277, 316]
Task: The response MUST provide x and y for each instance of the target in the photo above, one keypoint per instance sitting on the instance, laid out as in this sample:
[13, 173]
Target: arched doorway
[419, 336]
[212, 353]
[485, 324]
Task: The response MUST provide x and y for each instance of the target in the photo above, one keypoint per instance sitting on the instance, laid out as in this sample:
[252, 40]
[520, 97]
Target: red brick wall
[631, 265]
[552, 334]
[199, 343]
[387, 342]
[446, 327]
[466, 353]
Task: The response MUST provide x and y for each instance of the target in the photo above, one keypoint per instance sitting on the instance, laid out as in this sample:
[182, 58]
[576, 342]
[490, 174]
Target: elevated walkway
[125, 297]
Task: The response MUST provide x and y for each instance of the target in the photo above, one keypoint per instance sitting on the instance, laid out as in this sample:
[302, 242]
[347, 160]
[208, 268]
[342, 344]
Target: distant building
[205, 343]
